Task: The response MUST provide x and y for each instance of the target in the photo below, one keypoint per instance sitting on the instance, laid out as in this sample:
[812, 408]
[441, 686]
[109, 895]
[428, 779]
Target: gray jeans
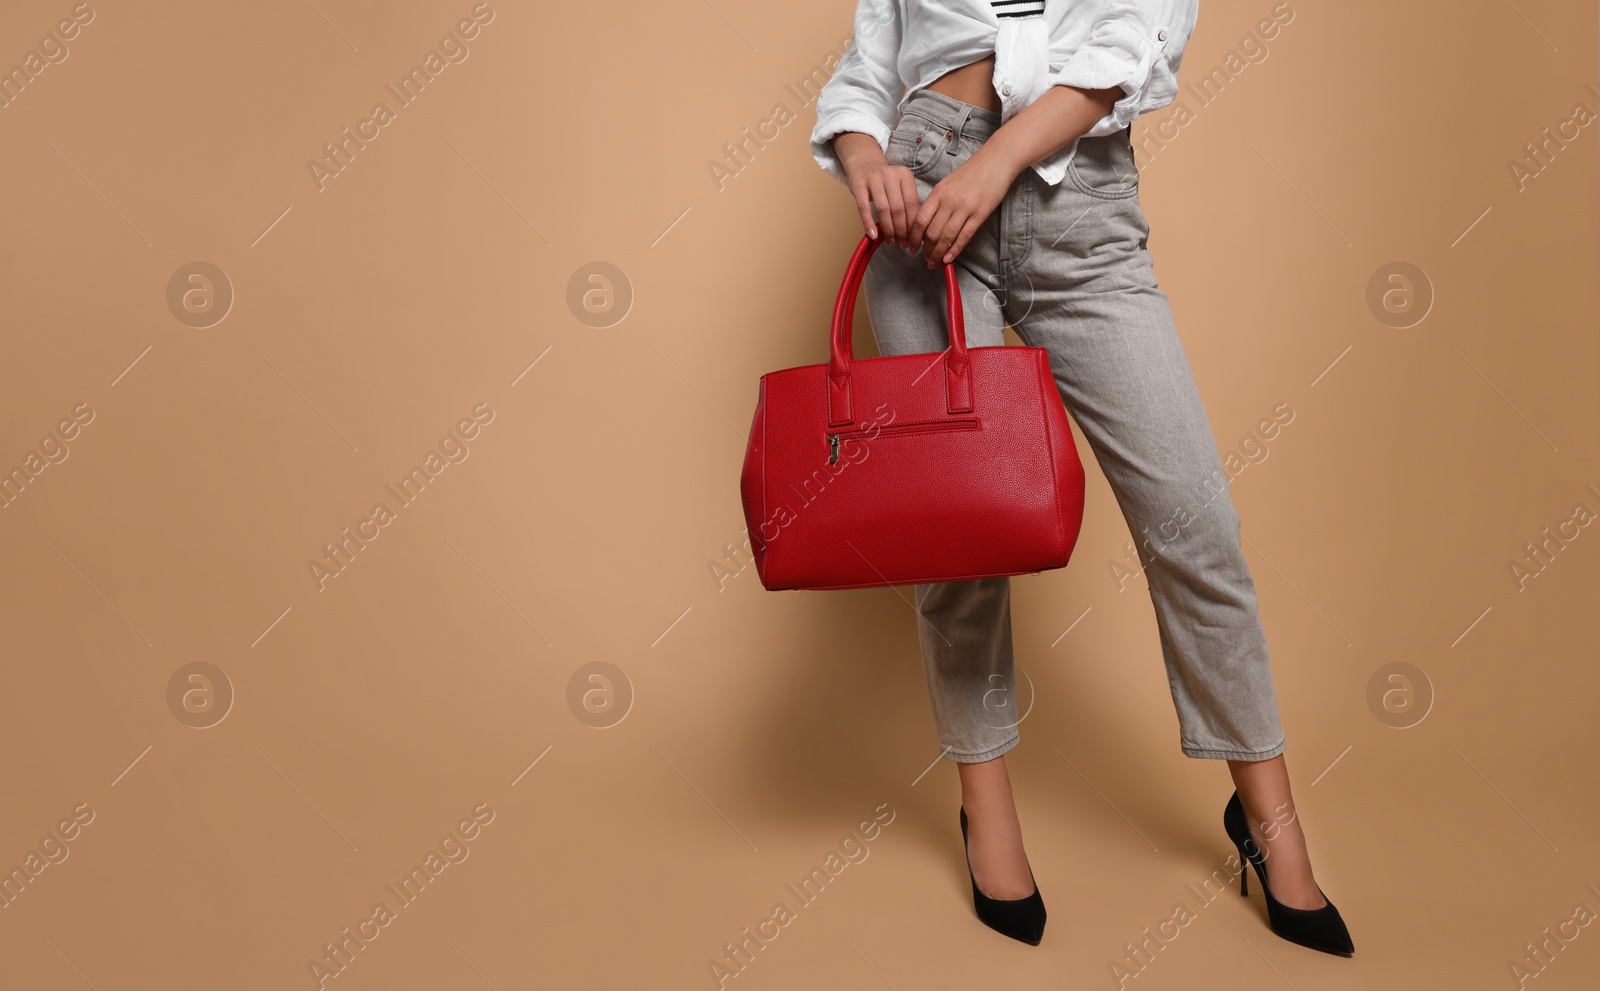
[1067, 268]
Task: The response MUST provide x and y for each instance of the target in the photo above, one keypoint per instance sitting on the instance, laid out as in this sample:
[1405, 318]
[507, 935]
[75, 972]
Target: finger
[968, 229]
[864, 205]
[934, 236]
[956, 220]
[948, 232]
[880, 206]
[925, 215]
[896, 214]
[912, 198]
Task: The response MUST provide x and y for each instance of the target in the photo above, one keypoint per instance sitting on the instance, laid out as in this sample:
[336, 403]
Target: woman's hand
[964, 199]
[958, 206]
[890, 190]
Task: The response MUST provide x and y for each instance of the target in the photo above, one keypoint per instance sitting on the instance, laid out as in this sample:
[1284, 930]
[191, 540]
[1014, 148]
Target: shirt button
[1161, 35]
[1005, 90]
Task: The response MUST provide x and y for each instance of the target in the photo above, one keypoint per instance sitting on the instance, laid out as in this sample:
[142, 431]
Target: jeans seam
[1266, 753]
[978, 757]
[1084, 187]
[1025, 194]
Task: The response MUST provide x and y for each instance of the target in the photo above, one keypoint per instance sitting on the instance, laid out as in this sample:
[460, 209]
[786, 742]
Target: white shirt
[900, 46]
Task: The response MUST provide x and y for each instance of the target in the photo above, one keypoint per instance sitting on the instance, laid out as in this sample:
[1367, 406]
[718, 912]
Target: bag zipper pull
[833, 449]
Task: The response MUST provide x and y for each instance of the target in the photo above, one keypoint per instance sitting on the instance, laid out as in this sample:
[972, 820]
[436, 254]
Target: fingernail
[948, 259]
[872, 232]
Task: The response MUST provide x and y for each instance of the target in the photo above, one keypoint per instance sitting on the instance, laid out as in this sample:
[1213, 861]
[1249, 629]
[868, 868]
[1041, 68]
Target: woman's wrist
[1000, 157]
[858, 154]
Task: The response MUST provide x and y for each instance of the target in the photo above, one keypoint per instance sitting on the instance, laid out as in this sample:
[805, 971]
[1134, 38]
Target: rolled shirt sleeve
[1133, 45]
[1116, 53]
[863, 93]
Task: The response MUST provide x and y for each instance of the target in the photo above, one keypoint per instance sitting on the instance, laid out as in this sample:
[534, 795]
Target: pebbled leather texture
[872, 472]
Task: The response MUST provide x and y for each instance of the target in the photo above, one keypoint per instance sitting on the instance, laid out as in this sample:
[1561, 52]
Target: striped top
[1018, 8]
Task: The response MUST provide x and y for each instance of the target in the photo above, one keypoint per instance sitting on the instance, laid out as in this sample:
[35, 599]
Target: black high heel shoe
[1019, 918]
[1318, 928]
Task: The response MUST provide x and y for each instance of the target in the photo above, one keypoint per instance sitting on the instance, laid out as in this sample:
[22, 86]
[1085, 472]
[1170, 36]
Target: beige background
[371, 717]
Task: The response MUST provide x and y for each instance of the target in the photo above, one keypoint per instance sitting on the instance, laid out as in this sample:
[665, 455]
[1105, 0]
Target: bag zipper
[923, 427]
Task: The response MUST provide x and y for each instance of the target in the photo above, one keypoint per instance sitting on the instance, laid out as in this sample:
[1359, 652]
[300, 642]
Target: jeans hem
[1267, 754]
[978, 758]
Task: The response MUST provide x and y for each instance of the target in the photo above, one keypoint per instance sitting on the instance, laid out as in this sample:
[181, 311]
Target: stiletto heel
[1020, 918]
[1318, 928]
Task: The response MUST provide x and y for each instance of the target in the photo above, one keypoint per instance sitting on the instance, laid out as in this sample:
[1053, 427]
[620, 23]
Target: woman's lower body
[1067, 267]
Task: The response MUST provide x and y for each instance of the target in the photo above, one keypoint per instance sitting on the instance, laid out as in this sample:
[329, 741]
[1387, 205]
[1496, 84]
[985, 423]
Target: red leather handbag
[912, 468]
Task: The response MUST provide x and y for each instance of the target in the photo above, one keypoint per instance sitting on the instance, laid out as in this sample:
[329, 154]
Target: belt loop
[957, 132]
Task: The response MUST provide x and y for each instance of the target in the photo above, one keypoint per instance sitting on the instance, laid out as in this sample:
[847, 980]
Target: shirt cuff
[1053, 167]
[839, 123]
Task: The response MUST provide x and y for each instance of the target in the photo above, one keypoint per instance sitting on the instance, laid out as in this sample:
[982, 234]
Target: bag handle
[958, 368]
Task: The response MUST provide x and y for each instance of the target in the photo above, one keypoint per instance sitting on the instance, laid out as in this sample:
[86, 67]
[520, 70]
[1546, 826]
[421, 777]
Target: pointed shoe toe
[1315, 928]
[1020, 918]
